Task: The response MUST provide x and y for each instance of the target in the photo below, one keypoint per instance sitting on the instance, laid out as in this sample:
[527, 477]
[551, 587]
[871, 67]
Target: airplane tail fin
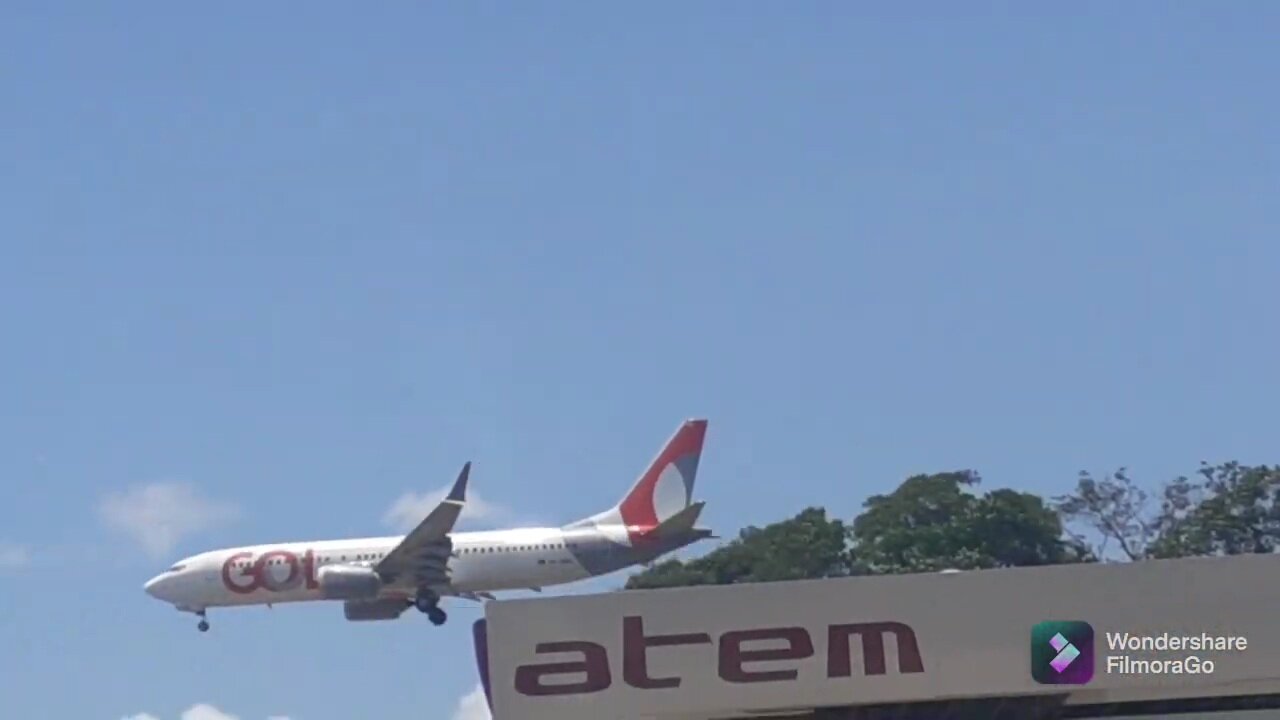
[665, 490]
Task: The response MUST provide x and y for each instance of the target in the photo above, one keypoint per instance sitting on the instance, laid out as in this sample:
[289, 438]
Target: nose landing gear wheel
[204, 622]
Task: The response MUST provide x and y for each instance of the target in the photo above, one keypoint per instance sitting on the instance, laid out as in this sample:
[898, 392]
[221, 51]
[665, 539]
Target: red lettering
[635, 653]
[594, 664]
[733, 657]
[839, 663]
[261, 574]
[227, 574]
[267, 578]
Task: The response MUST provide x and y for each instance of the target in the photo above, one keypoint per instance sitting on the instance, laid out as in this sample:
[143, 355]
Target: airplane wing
[422, 557]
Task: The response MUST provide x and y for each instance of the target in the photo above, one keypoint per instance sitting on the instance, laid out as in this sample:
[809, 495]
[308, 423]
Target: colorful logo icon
[1062, 653]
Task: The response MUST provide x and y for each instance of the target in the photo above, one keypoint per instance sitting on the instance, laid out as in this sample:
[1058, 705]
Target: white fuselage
[288, 572]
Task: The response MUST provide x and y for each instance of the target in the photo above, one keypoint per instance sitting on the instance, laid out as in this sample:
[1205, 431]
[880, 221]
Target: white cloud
[201, 711]
[13, 557]
[206, 712]
[410, 508]
[473, 706]
[160, 515]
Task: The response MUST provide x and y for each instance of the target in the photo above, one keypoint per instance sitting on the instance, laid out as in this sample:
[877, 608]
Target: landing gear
[204, 622]
[430, 606]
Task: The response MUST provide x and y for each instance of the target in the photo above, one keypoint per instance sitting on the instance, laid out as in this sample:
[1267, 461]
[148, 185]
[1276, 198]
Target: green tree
[1119, 512]
[1233, 510]
[931, 522]
[934, 522]
[808, 545]
[1230, 509]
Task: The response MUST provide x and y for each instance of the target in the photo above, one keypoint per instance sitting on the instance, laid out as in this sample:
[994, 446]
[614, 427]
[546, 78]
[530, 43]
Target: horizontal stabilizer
[680, 523]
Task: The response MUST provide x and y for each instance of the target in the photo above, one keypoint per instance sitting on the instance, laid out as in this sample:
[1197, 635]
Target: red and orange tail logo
[666, 488]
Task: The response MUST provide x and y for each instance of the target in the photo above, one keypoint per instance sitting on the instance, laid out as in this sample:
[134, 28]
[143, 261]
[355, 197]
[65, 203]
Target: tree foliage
[934, 522]
[1230, 509]
[808, 545]
[1117, 511]
[1235, 511]
[939, 521]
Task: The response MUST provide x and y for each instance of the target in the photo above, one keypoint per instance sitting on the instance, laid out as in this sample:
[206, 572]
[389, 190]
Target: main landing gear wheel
[429, 607]
[204, 622]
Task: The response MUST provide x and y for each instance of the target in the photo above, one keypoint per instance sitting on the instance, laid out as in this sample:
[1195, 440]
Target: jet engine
[343, 582]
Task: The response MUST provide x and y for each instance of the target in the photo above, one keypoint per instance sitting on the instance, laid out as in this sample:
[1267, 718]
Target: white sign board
[1183, 628]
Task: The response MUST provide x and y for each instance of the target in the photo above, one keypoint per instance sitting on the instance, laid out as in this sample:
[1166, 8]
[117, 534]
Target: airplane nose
[152, 587]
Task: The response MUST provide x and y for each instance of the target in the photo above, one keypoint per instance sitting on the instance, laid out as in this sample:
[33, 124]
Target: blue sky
[264, 272]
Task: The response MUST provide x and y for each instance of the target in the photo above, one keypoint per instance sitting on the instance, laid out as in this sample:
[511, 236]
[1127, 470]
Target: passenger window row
[319, 560]
[464, 551]
[515, 548]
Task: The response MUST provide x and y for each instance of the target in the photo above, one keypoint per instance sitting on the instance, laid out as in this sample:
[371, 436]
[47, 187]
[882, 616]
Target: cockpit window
[177, 568]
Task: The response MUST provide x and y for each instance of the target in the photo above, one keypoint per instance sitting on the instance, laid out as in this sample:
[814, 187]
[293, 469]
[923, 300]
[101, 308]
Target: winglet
[459, 492]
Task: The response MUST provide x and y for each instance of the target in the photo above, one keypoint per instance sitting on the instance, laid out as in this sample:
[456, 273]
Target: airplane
[380, 578]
